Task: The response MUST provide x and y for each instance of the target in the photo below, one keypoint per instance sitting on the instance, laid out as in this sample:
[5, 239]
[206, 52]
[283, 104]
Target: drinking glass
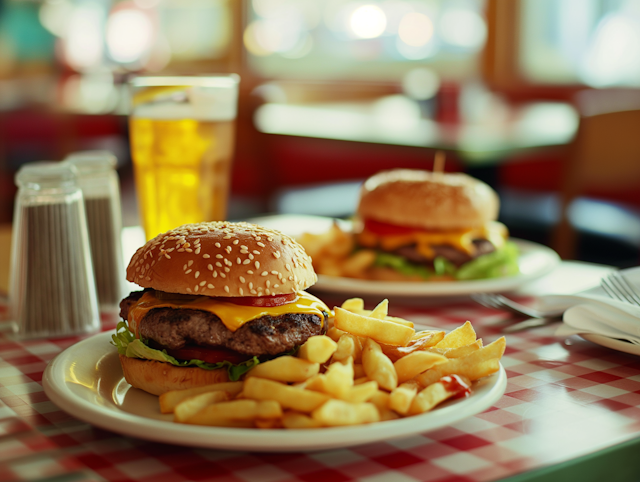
[182, 140]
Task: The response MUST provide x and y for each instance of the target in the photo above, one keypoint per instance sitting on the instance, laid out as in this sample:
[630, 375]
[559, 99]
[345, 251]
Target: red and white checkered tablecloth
[565, 398]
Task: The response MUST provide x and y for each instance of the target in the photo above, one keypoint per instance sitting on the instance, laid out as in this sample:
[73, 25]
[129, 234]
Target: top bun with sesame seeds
[218, 299]
[222, 259]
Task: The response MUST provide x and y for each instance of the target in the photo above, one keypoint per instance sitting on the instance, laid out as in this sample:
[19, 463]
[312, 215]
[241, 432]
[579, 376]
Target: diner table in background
[571, 411]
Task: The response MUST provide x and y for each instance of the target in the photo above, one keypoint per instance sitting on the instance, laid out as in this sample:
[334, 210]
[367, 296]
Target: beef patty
[268, 335]
[455, 256]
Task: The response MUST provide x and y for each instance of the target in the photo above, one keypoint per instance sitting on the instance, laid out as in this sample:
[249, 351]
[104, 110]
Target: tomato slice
[386, 229]
[208, 354]
[262, 301]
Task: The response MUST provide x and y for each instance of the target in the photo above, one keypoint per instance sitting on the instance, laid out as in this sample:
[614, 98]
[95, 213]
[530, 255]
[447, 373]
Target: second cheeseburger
[218, 299]
[426, 224]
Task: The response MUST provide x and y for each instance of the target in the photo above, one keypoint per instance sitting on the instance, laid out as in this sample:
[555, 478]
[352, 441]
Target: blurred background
[539, 98]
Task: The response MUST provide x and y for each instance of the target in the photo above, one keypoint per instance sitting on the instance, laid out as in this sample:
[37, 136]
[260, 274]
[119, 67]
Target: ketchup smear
[454, 384]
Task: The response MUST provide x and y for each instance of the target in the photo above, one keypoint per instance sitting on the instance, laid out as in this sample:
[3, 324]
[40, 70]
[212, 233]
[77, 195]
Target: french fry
[378, 367]
[338, 378]
[268, 423]
[479, 364]
[380, 312]
[288, 397]
[437, 393]
[225, 413]
[458, 352]
[335, 333]
[381, 400]
[461, 336]
[317, 349]
[381, 331]
[355, 305]
[415, 344]
[356, 265]
[361, 392]
[192, 405]
[401, 398]
[400, 321]
[297, 420]
[338, 413]
[348, 346]
[169, 400]
[415, 363]
[269, 409]
[358, 369]
[285, 369]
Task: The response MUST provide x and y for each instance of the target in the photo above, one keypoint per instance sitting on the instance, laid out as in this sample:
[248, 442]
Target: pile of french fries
[333, 254]
[369, 367]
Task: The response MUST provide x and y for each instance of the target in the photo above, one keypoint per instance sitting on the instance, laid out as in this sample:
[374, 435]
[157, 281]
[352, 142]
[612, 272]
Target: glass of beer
[182, 137]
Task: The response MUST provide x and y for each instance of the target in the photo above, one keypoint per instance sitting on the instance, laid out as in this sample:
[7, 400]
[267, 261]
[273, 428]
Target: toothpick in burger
[218, 298]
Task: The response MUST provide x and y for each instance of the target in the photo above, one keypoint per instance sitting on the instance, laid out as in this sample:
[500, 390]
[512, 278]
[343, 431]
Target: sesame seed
[236, 241]
[268, 283]
[276, 285]
[222, 275]
[238, 260]
[276, 254]
[242, 280]
[257, 264]
[202, 283]
[256, 252]
[181, 250]
[219, 256]
[206, 256]
[210, 267]
[189, 250]
[264, 273]
[217, 245]
[228, 249]
[210, 286]
[167, 256]
[215, 274]
[196, 288]
[288, 266]
[267, 292]
[228, 236]
[184, 268]
[197, 274]
[250, 285]
[227, 262]
[261, 245]
[275, 273]
[198, 250]
[251, 256]
[226, 288]
[218, 264]
[189, 290]
[190, 263]
[246, 261]
[242, 246]
[253, 292]
[188, 271]
[249, 272]
[241, 291]
[226, 269]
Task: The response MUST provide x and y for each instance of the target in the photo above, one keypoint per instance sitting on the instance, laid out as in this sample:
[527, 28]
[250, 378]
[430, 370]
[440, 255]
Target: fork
[536, 317]
[619, 288]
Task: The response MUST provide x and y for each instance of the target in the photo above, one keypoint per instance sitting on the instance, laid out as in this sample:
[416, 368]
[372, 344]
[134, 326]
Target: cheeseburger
[433, 225]
[218, 299]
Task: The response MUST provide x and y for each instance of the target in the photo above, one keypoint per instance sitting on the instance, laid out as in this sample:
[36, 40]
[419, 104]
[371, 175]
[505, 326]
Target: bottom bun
[158, 377]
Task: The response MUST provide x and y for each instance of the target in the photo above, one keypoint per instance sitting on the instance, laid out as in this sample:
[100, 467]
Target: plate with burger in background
[418, 232]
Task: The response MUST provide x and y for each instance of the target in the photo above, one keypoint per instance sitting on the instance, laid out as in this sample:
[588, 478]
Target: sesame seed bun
[157, 377]
[222, 259]
[428, 200]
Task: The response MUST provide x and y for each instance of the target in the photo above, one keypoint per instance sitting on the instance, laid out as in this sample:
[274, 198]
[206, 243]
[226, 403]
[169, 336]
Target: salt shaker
[52, 283]
[98, 180]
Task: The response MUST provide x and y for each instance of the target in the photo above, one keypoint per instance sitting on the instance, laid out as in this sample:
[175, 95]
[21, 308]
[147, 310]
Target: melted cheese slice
[462, 240]
[233, 316]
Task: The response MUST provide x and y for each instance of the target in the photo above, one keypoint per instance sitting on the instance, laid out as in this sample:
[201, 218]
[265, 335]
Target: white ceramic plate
[535, 261]
[613, 343]
[86, 381]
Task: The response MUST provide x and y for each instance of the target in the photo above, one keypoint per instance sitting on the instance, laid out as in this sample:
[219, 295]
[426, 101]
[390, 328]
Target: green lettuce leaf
[128, 345]
[502, 262]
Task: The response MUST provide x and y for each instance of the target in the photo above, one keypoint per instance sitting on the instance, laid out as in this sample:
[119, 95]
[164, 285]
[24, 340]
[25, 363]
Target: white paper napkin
[592, 311]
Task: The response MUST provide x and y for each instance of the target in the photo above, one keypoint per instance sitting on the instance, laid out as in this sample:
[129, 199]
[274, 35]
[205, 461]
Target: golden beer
[182, 170]
[182, 150]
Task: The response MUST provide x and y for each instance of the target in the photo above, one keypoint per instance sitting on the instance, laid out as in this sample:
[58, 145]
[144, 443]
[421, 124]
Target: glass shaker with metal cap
[52, 291]
[99, 182]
